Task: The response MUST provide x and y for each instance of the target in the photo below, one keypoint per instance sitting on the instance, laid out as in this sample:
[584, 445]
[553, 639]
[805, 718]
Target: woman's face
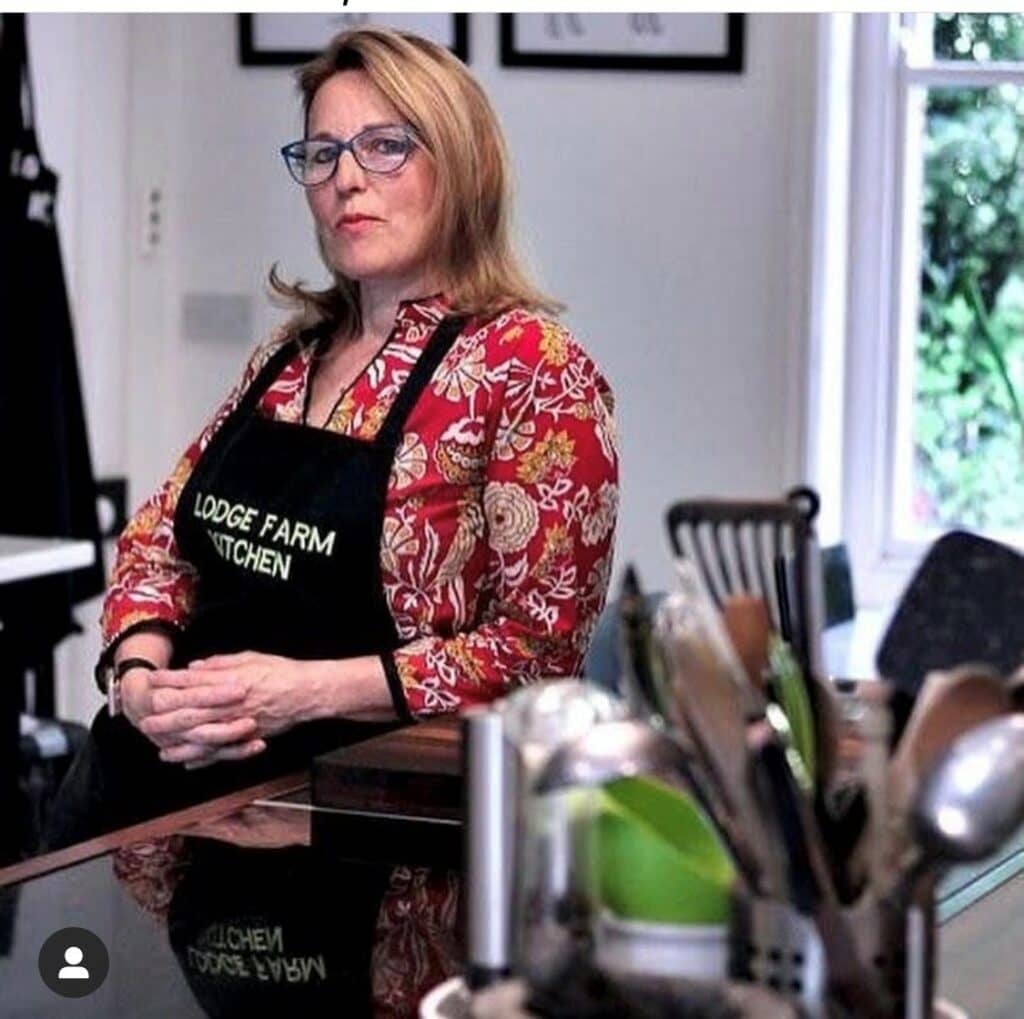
[373, 227]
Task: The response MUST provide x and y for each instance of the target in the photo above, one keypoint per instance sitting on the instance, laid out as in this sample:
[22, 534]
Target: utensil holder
[775, 946]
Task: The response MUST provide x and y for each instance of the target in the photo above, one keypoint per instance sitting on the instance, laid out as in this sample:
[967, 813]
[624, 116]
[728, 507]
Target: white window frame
[884, 258]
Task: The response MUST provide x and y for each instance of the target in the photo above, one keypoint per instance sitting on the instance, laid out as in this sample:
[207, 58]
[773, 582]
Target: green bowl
[656, 856]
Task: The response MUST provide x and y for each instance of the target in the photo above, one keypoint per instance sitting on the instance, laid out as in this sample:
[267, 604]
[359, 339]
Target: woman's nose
[349, 176]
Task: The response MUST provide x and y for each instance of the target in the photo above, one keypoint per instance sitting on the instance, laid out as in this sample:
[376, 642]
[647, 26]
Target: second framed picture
[624, 42]
[280, 40]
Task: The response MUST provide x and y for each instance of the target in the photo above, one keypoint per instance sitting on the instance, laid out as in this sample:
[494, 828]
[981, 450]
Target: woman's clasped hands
[220, 708]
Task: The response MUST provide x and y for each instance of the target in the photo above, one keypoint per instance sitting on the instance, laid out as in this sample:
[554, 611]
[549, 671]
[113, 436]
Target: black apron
[48, 487]
[50, 490]
[283, 523]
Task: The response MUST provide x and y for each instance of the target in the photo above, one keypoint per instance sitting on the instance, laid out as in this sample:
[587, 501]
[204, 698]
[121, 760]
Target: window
[934, 400]
[958, 450]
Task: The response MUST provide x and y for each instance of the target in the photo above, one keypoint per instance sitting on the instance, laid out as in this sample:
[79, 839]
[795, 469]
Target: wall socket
[215, 318]
[152, 220]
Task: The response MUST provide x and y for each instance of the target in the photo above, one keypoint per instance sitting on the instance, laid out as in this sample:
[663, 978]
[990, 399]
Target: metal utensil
[535, 721]
[609, 751]
[968, 804]
[950, 704]
[626, 749]
[972, 800]
[490, 842]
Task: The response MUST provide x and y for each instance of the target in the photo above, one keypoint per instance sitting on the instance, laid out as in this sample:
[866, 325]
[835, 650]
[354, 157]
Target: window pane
[968, 399]
[979, 37]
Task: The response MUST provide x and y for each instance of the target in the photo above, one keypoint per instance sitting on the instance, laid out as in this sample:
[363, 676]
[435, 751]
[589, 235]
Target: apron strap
[437, 347]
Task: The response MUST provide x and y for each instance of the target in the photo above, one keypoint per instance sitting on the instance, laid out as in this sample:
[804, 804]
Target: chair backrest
[603, 664]
[760, 547]
[965, 603]
[837, 576]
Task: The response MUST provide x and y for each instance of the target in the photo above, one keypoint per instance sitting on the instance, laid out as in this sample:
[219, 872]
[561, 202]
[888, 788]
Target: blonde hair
[448, 109]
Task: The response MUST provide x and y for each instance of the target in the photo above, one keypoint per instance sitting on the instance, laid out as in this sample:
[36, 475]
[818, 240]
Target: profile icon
[73, 956]
[73, 962]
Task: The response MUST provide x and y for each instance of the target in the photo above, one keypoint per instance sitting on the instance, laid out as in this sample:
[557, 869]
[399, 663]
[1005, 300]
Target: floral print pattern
[500, 514]
[511, 515]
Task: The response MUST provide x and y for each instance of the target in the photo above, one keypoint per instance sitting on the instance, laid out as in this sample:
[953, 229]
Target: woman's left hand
[279, 693]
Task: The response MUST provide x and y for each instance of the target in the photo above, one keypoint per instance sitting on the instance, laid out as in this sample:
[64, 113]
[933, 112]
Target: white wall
[658, 206]
[80, 75]
[667, 210]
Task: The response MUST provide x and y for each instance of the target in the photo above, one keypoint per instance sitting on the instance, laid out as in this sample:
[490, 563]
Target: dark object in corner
[964, 604]
[50, 489]
[840, 605]
[579, 990]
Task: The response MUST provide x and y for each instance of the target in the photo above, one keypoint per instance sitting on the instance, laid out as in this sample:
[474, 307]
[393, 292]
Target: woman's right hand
[169, 708]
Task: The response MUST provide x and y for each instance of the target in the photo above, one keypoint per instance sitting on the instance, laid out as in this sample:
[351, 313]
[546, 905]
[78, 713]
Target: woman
[407, 504]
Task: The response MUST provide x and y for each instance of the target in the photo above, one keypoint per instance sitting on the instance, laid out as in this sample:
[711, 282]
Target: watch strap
[114, 684]
[127, 664]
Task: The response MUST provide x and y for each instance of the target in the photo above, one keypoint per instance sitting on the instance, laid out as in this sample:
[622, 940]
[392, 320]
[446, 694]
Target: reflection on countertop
[237, 914]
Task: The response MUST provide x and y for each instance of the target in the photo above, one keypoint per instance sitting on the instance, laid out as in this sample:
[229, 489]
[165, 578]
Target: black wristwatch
[113, 678]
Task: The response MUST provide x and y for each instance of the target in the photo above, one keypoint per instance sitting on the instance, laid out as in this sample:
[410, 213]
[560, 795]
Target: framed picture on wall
[624, 42]
[281, 40]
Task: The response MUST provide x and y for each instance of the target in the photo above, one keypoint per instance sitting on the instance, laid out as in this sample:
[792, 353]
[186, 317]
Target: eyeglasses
[384, 149]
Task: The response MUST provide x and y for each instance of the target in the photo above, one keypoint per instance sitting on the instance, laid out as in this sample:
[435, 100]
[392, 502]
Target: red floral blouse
[500, 512]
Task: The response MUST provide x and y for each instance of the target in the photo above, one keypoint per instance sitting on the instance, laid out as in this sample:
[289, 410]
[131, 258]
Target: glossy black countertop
[260, 903]
[243, 906]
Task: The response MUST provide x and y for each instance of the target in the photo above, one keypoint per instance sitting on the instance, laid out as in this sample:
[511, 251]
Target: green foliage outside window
[969, 391]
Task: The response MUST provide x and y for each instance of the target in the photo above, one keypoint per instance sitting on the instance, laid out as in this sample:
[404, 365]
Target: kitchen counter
[233, 914]
[264, 901]
[23, 558]
[257, 902]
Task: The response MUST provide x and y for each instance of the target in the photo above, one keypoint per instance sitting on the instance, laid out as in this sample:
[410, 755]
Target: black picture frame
[252, 56]
[729, 62]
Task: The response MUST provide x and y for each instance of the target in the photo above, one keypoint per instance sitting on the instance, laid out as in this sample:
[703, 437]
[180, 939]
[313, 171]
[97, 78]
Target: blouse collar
[423, 310]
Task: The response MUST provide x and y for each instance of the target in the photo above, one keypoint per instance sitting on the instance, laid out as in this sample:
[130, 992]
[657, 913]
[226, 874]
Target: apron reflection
[261, 923]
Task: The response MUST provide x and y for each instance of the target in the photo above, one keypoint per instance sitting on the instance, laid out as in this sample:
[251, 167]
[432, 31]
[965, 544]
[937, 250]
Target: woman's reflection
[260, 923]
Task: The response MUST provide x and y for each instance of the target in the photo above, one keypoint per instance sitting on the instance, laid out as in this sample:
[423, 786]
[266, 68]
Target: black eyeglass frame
[342, 145]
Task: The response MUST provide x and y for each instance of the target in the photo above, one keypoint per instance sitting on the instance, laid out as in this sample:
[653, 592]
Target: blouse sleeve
[550, 500]
[151, 586]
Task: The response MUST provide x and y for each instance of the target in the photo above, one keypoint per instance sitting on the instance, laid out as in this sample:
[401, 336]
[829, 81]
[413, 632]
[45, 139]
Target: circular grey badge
[73, 962]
